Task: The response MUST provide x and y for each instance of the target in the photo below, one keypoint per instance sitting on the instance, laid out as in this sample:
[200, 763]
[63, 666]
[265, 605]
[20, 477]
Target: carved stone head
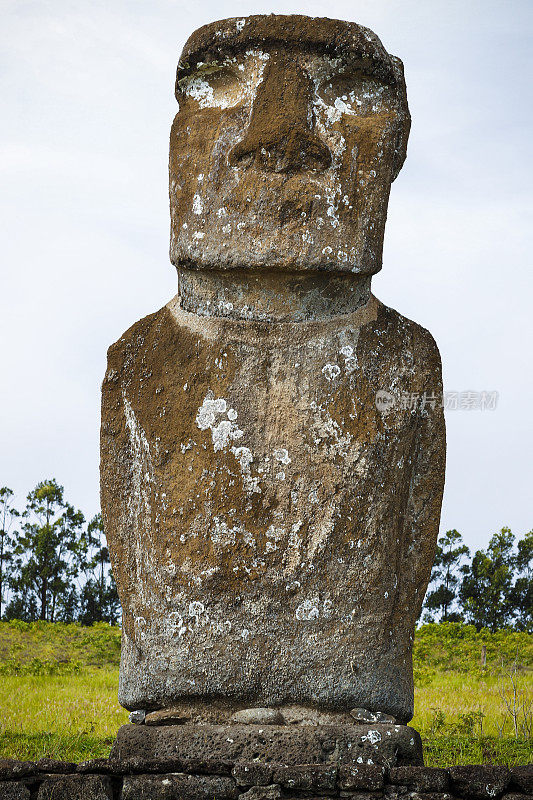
[289, 134]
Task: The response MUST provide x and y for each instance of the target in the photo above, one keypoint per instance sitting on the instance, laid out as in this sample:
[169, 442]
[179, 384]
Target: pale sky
[87, 99]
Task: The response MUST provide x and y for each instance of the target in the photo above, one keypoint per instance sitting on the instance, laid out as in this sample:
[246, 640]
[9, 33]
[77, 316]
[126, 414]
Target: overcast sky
[87, 99]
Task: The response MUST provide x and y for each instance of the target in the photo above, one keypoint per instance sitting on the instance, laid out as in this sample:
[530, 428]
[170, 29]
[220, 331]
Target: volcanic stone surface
[162, 780]
[186, 787]
[289, 134]
[75, 787]
[13, 791]
[151, 749]
[272, 438]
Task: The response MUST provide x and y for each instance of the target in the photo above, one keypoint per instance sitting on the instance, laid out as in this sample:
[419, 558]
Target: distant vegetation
[53, 565]
[46, 648]
[493, 589]
[455, 647]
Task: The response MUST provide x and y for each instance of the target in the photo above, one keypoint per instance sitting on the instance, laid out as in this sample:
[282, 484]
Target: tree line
[492, 589]
[55, 566]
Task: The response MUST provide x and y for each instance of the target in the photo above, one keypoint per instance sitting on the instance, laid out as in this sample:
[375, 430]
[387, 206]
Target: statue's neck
[271, 296]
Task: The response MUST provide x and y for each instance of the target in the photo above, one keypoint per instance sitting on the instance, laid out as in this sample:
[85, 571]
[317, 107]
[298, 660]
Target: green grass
[446, 751]
[58, 693]
[72, 717]
[463, 720]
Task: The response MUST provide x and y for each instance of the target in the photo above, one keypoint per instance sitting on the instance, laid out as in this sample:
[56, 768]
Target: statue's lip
[284, 174]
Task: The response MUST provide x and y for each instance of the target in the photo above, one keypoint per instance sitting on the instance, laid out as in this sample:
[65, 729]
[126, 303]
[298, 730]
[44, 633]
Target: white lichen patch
[222, 534]
[275, 532]
[208, 411]
[197, 204]
[313, 496]
[282, 455]
[245, 457]
[372, 736]
[329, 112]
[308, 610]
[196, 608]
[332, 209]
[223, 431]
[331, 371]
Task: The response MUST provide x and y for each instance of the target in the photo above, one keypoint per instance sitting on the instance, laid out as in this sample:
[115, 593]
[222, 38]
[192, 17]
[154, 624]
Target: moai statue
[273, 441]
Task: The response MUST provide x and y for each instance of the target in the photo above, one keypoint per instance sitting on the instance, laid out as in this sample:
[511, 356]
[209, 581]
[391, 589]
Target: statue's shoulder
[409, 338]
[158, 342]
[143, 347]
[139, 335]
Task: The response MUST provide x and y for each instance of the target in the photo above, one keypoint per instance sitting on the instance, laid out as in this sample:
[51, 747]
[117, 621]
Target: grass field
[58, 693]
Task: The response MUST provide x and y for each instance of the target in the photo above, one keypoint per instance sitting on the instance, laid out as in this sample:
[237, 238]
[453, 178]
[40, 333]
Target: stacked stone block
[104, 779]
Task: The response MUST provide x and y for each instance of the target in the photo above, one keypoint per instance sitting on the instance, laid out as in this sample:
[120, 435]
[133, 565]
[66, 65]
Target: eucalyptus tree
[48, 552]
[8, 515]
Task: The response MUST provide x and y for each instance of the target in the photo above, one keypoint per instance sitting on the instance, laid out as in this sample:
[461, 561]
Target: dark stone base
[217, 748]
[149, 776]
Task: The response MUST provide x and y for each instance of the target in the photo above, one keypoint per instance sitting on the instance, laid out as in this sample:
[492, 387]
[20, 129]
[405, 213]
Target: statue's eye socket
[223, 78]
[214, 85]
[354, 92]
[334, 87]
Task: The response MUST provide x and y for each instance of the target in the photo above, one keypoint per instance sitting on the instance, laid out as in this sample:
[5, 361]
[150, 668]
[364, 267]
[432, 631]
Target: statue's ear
[404, 121]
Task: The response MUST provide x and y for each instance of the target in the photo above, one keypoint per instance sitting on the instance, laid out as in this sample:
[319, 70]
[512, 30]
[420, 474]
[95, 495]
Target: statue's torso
[274, 521]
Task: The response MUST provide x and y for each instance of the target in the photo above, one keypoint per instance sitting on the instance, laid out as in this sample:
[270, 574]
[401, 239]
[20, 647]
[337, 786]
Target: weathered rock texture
[289, 134]
[219, 747]
[151, 780]
[272, 527]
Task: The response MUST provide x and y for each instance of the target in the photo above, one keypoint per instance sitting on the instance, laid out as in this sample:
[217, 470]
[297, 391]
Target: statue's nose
[280, 136]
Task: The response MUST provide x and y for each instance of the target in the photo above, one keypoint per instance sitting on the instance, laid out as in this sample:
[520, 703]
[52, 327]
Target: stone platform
[218, 748]
[104, 779]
